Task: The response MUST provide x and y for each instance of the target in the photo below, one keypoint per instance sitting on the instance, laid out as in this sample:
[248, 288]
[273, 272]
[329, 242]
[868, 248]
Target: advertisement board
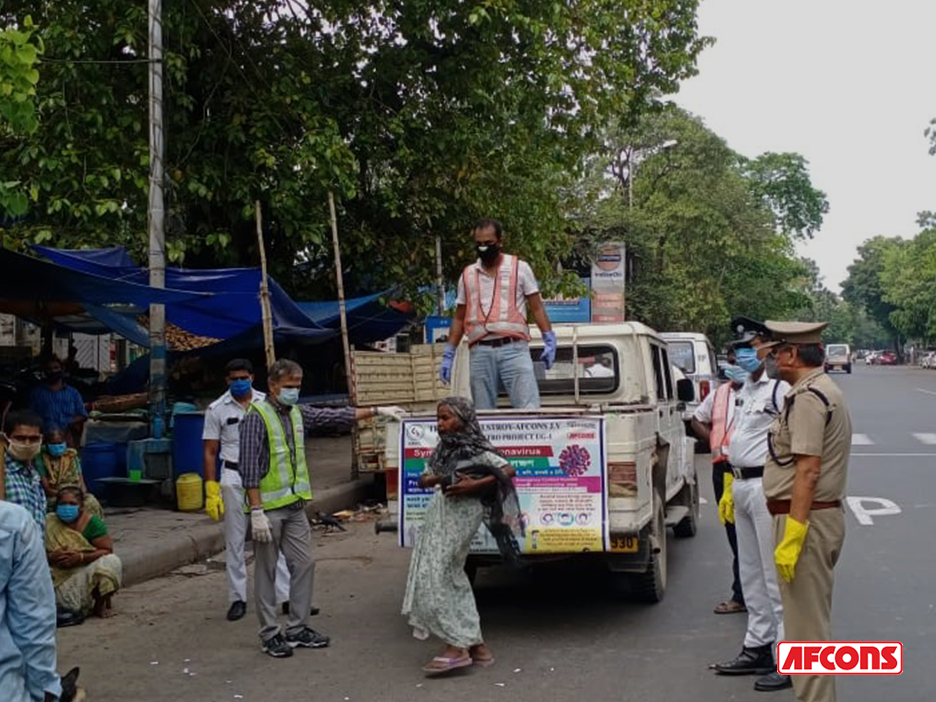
[560, 480]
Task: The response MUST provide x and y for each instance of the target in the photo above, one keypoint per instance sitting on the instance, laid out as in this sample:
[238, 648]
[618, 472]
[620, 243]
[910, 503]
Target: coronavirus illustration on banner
[560, 480]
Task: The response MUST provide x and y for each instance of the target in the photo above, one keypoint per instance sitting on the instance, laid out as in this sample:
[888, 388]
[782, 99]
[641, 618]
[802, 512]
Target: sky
[846, 83]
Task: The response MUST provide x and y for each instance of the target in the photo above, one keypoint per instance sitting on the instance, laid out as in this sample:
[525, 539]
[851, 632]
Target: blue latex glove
[448, 359]
[549, 353]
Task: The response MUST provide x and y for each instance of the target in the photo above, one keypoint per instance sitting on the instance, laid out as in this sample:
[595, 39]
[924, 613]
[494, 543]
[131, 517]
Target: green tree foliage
[19, 51]
[864, 287]
[782, 181]
[705, 234]
[420, 115]
[908, 279]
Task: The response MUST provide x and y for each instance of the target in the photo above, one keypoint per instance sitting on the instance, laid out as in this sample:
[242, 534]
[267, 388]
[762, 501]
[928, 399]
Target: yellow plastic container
[189, 494]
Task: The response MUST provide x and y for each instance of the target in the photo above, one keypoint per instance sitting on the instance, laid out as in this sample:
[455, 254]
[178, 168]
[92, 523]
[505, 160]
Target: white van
[694, 355]
[838, 357]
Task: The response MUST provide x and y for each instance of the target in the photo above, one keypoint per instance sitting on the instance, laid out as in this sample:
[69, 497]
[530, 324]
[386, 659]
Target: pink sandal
[441, 665]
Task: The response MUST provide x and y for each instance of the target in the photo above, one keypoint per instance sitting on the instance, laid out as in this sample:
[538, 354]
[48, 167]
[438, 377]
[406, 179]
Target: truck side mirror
[685, 390]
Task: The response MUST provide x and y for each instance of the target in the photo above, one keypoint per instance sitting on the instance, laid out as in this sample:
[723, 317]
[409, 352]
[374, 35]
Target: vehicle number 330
[624, 544]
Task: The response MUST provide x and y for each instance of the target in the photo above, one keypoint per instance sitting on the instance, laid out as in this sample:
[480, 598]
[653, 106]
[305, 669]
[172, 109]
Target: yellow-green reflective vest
[288, 478]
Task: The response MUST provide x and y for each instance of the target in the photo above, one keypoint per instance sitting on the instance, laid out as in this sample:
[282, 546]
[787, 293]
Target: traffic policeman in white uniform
[227, 499]
[759, 401]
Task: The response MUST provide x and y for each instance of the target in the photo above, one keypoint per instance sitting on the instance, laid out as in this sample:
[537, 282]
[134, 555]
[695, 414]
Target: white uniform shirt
[526, 286]
[706, 411]
[758, 404]
[222, 423]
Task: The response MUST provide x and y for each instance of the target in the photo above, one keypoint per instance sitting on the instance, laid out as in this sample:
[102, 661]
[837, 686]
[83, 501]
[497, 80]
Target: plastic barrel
[101, 460]
[187, 443]
[189, 496]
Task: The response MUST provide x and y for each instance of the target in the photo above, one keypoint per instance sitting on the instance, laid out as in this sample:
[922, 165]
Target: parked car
[871, 357]
[695, 356]
[887, 358]
[928, 360]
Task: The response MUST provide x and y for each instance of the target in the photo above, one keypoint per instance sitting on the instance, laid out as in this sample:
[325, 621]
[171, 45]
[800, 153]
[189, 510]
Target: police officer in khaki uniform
[804, 484]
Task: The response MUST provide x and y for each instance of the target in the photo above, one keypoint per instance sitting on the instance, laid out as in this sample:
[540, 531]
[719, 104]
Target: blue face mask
[67, 513]
[736, 374]
[57, 450]
[748, 360]
[288, 396]
[239, 388]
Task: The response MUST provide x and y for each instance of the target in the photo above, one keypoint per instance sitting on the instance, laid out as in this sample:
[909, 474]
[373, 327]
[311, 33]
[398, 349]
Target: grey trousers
[292, 537]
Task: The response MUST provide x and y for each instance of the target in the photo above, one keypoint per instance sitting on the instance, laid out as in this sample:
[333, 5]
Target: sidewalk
[152, 542]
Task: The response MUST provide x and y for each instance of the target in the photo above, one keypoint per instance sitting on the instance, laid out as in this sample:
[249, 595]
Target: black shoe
[772, 682]
[312, 612]
[307, 638]
[751, 661]
[66, 617]
[277, 647]
[237, 611]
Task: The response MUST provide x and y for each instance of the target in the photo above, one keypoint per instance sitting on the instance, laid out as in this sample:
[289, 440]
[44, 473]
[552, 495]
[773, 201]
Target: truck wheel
[650, 585]
[688, 525]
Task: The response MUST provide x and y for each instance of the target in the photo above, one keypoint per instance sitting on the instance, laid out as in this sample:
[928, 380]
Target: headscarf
[467, 444]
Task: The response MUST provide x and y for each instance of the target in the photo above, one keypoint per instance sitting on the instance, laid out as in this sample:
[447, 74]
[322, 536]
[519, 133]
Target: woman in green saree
[85, 571]
[59, 467]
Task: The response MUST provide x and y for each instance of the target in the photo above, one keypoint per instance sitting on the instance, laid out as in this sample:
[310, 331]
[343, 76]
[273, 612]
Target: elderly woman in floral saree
[472, 485]
[59, 467]
[85, 571]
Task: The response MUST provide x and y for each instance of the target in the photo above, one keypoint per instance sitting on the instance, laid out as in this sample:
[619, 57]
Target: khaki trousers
[807, 601]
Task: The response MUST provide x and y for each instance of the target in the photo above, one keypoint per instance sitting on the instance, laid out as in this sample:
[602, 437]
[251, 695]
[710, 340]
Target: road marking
[928, 392]
[929, 439]
[864, 514]
[896, 455]
[861, 440]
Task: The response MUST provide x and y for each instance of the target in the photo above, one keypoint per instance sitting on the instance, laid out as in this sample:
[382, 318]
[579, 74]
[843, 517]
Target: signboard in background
[560, 481]
[437, 329]
[566, 310]
[608, 282]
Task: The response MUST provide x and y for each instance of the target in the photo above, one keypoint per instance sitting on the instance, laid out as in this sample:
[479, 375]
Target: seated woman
[85, 571]
[472, 484]
[59, 467]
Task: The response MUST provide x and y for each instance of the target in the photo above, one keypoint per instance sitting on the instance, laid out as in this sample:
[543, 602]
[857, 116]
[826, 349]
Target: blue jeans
[511, 365]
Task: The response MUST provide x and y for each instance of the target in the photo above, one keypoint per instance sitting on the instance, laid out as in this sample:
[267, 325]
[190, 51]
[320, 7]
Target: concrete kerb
[204, 540]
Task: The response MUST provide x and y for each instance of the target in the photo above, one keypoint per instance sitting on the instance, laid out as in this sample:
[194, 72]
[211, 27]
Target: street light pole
[156, 221]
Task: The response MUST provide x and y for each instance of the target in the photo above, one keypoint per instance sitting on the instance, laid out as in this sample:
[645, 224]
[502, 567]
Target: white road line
[861, 440]
[928, 392]
[895, 455]
[928, 439]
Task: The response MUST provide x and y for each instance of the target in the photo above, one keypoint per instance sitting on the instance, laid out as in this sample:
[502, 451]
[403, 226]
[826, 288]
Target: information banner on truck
[560, 480]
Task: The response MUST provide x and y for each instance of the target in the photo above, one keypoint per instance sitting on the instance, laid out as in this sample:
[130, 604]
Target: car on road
[928, 360]
[838, 357]
[886, 358]
[694, 354]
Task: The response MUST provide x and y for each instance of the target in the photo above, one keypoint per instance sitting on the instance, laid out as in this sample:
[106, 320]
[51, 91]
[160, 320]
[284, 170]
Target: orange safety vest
[501, 316]
[720, 436]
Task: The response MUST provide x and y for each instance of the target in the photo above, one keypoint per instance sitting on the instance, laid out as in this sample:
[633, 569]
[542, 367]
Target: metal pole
[339, 277]
[440, 282]
[266, 314]
[156, 221]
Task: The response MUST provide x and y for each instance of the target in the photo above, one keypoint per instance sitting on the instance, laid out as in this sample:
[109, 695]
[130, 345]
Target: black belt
[230, 464]
[499, 341]
[747, 473]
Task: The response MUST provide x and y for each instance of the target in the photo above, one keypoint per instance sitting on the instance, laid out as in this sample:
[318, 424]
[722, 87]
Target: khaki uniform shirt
[810, 428]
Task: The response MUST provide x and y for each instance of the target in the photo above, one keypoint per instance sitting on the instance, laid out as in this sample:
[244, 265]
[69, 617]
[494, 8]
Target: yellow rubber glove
[214, 505]
[726, 503]
[788, 550]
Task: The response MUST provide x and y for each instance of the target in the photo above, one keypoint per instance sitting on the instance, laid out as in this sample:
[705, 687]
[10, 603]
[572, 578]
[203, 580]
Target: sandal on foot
[730, 607]
[441, 665]
[485, 662]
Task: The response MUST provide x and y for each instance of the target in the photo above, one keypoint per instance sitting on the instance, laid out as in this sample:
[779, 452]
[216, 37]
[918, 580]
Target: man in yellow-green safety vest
[274, 472]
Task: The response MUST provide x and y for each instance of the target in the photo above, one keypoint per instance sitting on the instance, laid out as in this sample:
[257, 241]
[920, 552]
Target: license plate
[624, 544]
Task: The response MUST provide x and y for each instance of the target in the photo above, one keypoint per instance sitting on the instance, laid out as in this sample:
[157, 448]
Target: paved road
[558, 635]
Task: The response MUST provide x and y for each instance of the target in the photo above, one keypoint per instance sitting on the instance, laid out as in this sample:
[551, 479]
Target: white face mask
[23, 452]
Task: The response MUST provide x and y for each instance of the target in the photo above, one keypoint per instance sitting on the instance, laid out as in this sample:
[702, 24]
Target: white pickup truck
[603, 467]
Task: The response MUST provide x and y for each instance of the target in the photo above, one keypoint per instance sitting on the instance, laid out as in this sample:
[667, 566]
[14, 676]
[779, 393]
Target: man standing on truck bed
[759, 402]
[493, 296]
[713, 423]
[804, 483]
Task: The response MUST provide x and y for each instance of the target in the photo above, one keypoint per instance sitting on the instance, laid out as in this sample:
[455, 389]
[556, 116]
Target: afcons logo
[840, 657]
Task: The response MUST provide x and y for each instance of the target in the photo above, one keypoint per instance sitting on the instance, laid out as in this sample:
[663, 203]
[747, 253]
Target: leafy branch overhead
[421, 115]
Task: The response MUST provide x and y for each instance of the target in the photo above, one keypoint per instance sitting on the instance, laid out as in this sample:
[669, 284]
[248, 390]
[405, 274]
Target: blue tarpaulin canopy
[232, 311]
